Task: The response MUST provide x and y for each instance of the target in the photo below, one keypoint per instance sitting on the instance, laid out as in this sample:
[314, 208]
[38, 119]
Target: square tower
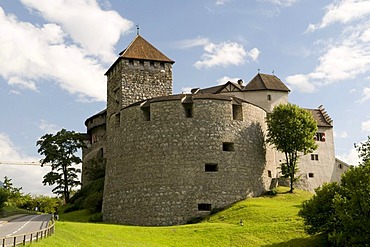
[140, 72]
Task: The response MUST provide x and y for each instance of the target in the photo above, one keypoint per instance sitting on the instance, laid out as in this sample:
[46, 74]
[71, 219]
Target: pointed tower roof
[266, 82]
[143, 50]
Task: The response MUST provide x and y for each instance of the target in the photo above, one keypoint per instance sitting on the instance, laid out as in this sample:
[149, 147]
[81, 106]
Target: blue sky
[54, 55]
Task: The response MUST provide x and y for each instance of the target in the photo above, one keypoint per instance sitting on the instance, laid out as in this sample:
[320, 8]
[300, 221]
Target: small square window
[146, 113]
[310, 175]
[314, 157]
[211, 167]
[204, 207]
[228, 146]
[269, 174]
[118, 120]
[141, 64]
[237, 112]
[188, 108]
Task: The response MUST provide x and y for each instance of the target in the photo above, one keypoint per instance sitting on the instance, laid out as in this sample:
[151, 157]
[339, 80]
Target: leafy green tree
[59, 151]
[291, 130]
[3, 197]
[13, 192]
[363, 150]
[341, 212]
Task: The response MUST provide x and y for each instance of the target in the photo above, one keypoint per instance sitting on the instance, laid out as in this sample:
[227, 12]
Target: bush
[98, 217]
[3, 197]
[341, 212]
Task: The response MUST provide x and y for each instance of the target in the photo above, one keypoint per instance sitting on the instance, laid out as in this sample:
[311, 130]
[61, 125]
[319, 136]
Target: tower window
[131, 63]
[311, 175]
[228, 146]
[204, 207]
[269, 97]
[314, 157]
[188, 108]
[269, 174]
[211, 167]
[118, 120]
[141, 65]
[237, 112]
[320, 137]
[146, 113]
[340, 166]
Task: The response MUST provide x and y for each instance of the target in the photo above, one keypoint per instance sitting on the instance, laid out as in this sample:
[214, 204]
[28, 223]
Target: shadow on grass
[302, 242]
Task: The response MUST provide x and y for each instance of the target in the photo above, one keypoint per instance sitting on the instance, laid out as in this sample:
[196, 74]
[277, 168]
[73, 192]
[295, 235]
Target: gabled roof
[143, 50]
[266, 82]
[321, 117]
[228, 86]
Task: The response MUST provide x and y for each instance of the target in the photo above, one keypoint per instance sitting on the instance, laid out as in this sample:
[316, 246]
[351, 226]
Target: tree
[291, 130]
[341, 212]
[363, 150]
[59, 151]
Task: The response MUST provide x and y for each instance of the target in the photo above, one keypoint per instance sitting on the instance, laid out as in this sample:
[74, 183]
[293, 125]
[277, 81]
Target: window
[310, 175]
[269, 174]
[228, 146]
[146, 113]
[340, 166]
[211, 167]
[320, 137]
[118, 120]
[314, 157]
[188, 108]
[204, 207]
[237, 112]
[131, 63]
[269, 97]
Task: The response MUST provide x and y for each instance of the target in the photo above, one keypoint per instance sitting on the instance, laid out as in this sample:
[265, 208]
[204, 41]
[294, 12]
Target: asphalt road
[25, 224]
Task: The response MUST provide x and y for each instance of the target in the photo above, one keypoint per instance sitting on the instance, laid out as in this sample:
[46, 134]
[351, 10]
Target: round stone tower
[175, 158]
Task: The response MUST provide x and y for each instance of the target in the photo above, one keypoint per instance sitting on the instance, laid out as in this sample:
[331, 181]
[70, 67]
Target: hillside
[267, 221]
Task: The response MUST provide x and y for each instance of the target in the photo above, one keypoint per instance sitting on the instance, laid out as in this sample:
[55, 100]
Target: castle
[171, 158]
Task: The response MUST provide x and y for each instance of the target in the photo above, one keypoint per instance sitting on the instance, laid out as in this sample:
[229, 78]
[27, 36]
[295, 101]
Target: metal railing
[29, 237]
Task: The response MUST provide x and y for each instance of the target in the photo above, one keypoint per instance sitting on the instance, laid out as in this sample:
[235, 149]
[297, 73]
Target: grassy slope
[268, 221]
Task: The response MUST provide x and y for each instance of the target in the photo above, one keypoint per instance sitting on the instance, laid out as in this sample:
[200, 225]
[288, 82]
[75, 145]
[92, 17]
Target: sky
[53, 56]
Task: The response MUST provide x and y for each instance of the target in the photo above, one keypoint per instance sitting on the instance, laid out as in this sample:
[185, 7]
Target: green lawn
[267, 221]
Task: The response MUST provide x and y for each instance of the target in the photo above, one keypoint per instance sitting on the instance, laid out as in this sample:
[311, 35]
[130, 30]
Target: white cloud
[222, 2]
[32, 53]
[341, 134]
[343, 11]
[301, 82]
[351, 157]
[8, 152]
[223, 54]
[48, 128]
[186, 89]
[82, 20]
[365, 126]
[225, 79]
[285, 3]
[189, 43]
[254, 53]
[23, 84]
[343, 60]
[365, 94]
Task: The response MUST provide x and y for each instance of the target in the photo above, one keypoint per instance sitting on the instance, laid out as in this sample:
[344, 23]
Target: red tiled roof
[142, 49]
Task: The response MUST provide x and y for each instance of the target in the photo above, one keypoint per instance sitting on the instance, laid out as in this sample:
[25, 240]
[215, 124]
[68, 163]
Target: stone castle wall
[130, 81]
[96, 147]
[173, 168]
